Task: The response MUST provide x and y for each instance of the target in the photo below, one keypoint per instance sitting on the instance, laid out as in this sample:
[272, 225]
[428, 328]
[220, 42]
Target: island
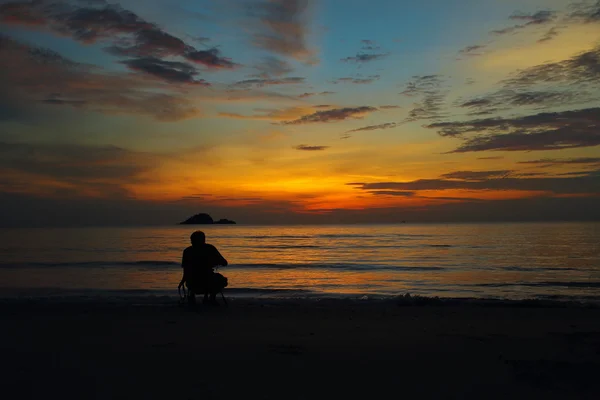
[205, 219]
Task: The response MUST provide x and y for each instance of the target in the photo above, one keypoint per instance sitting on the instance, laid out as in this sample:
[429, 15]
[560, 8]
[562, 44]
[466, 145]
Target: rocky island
[205, 219]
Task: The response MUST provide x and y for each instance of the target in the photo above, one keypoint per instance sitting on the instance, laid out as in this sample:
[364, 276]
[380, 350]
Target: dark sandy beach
[298, 350]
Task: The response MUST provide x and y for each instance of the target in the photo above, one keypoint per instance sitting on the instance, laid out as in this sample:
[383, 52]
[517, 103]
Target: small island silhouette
[204, 219]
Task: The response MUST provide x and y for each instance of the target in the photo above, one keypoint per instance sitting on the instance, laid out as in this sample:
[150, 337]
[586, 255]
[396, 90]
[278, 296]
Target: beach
[297, 349]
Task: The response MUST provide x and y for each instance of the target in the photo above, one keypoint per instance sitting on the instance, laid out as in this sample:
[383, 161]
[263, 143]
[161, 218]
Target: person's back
[198, 261]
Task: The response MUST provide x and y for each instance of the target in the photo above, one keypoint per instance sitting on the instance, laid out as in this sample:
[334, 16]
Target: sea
[558, 261]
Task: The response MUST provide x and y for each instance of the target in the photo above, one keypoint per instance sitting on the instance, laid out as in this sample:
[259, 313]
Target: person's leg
[191, 298]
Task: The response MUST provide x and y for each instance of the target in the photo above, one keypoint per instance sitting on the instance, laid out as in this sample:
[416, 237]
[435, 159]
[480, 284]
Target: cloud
[551, 34]
[369, 45]
[311, 94]
[32, 75]
[337, 114]
[423, 84]
[547, 162]
[127, 33]
[283, 27]
[363, 57]
[544, 131]
[387, 125]
[209, 58]
[357, 81]
[429, 88]
[170, 71]
[472, 50]
[310, 148]
[269, 114]
[293, 80]
[506, 98]
[586, 12]
[491, 158]
[584, 68]
[476, 175]
[588, 184]
[538, 18]
[389, 107]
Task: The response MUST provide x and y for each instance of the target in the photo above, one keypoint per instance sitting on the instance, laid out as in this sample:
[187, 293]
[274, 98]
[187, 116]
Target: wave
[576, 284]
[173, 264]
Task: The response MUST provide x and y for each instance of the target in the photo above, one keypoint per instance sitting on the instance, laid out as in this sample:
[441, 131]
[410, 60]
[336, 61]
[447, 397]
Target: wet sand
[297, 350]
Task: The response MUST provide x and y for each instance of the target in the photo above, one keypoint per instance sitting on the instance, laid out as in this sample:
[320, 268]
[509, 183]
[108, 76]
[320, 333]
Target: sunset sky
[292, 111]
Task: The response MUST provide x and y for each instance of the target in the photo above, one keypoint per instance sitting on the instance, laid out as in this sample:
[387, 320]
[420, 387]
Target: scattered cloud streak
[358, 80]
[37, 75]
[544, 131]
[387, 125]
[126, 34]
[364, 57]
[334, 115]
[538, 18]
[170, 71]
[305, 147]
[293, 80]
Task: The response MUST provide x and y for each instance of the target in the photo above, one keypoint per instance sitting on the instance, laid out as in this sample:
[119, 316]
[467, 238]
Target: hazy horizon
[298, 112]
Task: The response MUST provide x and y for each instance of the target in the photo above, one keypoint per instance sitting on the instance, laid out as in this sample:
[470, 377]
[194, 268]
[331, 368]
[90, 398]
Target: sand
[258, 349]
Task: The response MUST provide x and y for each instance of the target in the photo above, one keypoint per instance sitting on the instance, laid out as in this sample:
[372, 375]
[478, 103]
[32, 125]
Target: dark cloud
[544, 131]
[127, 33]
[429, 88]
[389, 107]
[490, 158]
[572, 185]
[310, 148]
[293, 80]
[39, 76]
[209, 58]
[586, 12]
[422, 84]
[369, 45]
[171, 71]
[357, 81]
[583, 68]
[305, 95]
[387, 125]
[429, 108]
[472, 50]
[546, 162]
[506, 98]
[551, 34]
[363, 57]
[337, 114]
[476, 175]
[283, 27]
[538, 18]
[391, 193]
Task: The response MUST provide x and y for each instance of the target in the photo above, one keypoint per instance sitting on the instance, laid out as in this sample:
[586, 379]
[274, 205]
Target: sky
[298, 111]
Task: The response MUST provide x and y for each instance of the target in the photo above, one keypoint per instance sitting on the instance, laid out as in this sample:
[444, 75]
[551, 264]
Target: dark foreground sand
[298, 350]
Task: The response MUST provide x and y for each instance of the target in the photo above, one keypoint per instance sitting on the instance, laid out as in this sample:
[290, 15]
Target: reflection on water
[474, 260]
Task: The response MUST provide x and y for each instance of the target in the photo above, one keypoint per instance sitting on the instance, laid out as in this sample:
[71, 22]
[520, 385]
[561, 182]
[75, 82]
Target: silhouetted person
[198, 262]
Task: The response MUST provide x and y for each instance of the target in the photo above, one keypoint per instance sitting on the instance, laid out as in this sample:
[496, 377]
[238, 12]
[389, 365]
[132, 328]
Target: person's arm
[219, 259]
[183, 266]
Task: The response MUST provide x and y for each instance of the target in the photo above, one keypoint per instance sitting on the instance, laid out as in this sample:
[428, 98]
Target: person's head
[198, 238]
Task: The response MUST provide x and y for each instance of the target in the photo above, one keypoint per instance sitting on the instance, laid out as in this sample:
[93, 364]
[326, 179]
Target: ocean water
[496, 260]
